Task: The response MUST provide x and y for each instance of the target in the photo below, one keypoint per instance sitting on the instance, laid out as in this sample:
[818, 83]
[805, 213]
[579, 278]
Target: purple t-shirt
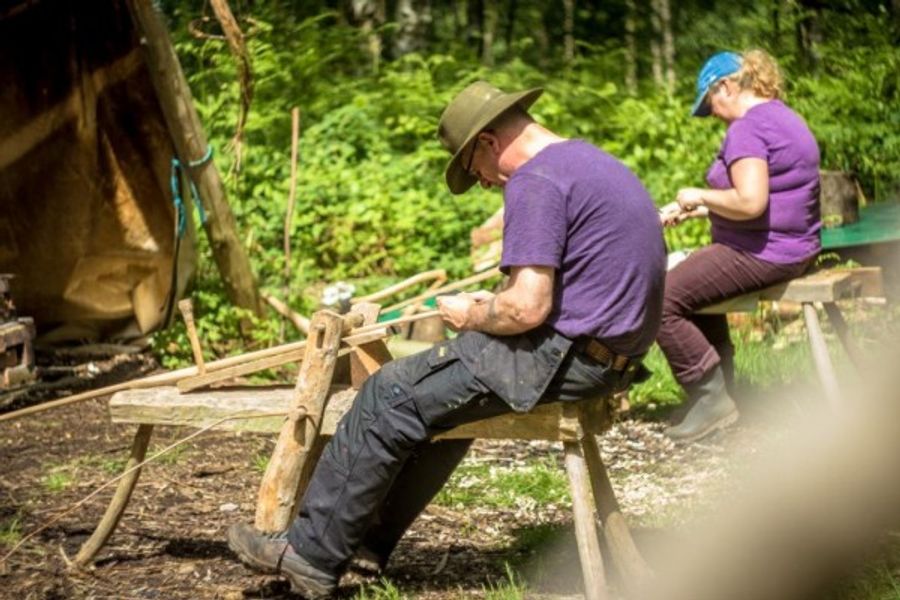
[579, 210]
[788, 230]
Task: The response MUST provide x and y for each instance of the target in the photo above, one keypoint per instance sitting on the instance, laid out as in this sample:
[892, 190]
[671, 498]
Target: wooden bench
[314, 407]
[824, 287]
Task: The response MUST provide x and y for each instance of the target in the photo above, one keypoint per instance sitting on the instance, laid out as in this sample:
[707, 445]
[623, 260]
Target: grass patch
[877, 579]
[511, 588]
[490, 486]
[260, 462]
[172, 457]
[10, 532]
[58, 479]
[381, 590]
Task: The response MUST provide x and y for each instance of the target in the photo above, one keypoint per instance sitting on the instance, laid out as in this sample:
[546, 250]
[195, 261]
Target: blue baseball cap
[718, 66]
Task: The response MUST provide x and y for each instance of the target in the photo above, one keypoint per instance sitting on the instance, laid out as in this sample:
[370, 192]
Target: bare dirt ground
[171, 542]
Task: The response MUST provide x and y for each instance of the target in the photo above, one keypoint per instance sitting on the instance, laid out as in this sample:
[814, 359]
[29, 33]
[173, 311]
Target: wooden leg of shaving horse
[621, 545]
[582, 507]
[820, 356]
[277, 500]
[365, 360]
[843, 333]
[119, 502]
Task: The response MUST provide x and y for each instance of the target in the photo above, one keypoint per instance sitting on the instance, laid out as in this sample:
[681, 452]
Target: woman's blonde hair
[760, 73]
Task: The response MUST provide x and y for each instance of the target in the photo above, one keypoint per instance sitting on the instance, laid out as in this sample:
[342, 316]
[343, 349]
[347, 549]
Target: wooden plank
[745, 303]
[824, 286]
[296, 443]
[293, 355]
[166, 406]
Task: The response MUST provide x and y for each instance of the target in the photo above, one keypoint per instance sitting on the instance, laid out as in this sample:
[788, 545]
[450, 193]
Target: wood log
[838, 198]
[190, 142]
[296, 443]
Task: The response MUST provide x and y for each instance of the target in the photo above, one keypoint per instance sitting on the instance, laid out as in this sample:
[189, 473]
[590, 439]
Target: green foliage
[512, 588]
[57, 480]
[371, 204]
[10, 531]
[381, 590]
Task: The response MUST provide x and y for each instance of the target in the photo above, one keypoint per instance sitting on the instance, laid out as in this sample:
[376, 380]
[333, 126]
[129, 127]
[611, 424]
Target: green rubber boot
[713, 409]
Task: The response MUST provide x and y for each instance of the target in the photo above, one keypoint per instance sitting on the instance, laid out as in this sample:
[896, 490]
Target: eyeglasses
[472, 158]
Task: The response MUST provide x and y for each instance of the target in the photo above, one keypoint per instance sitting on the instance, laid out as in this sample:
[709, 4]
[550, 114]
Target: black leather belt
[596, 350]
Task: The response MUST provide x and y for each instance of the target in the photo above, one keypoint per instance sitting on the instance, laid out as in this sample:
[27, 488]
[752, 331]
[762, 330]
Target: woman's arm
[747, 200]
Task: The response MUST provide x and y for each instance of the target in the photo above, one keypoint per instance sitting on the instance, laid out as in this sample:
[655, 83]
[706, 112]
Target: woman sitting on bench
[762, 201]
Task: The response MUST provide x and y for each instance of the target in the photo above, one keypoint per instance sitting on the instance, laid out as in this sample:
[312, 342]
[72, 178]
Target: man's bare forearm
[498, 317]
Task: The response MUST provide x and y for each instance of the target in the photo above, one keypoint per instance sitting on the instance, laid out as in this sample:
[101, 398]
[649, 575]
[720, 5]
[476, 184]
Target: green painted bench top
[877, 223]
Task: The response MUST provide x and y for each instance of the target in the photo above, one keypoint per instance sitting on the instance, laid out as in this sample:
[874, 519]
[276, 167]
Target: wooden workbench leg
[119, 502]
[843, 333]
[297, 442]
[628, 560]
[585, 528]
[820, 356]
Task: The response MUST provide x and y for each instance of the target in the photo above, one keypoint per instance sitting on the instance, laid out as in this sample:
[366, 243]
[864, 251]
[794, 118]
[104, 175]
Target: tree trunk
[475, 25]
[190, 144]
[668, 45]
[488, 33]
[511, 24]
[775, 18]
[655, 46]
[413, 18]
[630, 49]
[370, 14]
[809, 34]
[569, 31]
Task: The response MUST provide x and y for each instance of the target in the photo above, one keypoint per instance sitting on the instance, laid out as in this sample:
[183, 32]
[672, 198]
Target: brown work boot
[368, 562]
[713, 409]
[271, 553]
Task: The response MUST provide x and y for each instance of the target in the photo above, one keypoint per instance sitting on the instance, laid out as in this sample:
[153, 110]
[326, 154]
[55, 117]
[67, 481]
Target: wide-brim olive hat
[467, 115]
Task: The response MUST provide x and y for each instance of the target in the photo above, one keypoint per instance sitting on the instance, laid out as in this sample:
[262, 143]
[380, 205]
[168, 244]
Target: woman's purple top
[788, 230]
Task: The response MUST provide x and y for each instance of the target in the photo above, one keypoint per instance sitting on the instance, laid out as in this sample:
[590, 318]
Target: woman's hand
[689, 199]
[672, 214]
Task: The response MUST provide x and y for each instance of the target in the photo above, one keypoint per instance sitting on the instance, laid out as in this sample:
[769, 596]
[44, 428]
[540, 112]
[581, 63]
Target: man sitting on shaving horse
[584, 251]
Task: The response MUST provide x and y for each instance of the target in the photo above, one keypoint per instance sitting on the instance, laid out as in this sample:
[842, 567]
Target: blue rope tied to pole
[175, 182]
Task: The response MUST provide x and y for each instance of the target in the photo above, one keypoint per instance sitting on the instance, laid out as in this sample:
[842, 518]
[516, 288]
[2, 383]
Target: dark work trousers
[695, 344]
[381, 456]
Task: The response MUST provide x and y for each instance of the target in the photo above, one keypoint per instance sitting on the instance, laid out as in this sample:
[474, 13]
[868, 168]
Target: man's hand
[455, 310]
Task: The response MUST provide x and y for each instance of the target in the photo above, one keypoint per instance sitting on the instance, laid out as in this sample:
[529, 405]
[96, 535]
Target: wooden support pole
[572, 433]
[190, 143]
[585, 528]
[625, 555]
[296, 444]
[843, 333]
[187, 312]
[821, 358]
[119, 502]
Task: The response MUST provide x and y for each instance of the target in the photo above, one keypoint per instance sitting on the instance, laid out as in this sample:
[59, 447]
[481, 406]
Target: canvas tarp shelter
[87, 222]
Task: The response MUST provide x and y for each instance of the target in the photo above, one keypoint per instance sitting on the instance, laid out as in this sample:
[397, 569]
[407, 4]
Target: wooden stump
[838, 198]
